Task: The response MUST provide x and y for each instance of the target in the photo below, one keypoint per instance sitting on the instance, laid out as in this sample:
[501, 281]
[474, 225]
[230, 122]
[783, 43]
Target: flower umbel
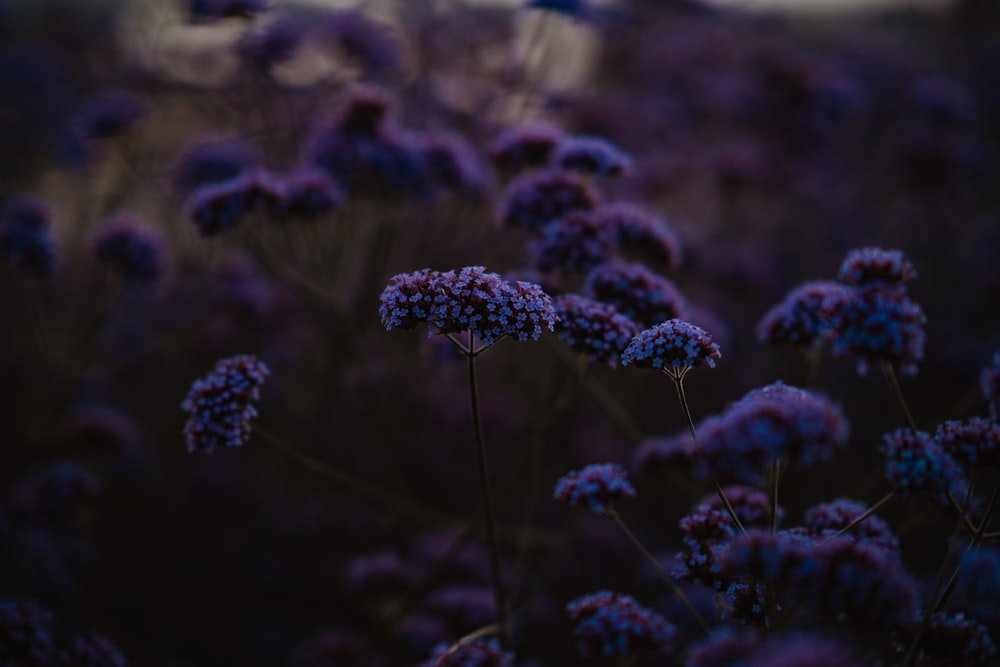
[674, 346]
[596, 485]
[221, 404]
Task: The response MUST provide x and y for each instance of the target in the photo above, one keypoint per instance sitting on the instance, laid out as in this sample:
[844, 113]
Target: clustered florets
[597, 485]
[918, 465]
[674, 346]
[636, 292]
[593, 328]
[614, 624]
[476, 653]
[472, 300]
[221, 404]
[132, 249]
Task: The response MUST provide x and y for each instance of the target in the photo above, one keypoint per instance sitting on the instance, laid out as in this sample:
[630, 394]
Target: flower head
[636, 229]
[367, 43]
[307, 194]
[974, 441]
[25, 240]
[132, 249]
[864, 266]
[221, 404]
[25, 633]
[206, 11]
[528, 145]
[92, 650]
[535, 200]
[476, 653]
[217, 207]
[452, 164]
[827, 519]
[614, 624]
[916, 464]
[590, 155]
[674, 346]
[989, 381]
[803, 316]
[879, 323]
[215, 161]
[109, 115]
[576, 242]
[636, 292]
[271, 46]
[593, 328]
[957, 639]
[596, 485]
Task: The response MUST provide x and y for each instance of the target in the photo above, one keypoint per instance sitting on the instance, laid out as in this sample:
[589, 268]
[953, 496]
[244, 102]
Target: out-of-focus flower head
[725, 647]
[597, 485]
[56, 493]
[466, 606]
[989, 382]
[523, 146]
[574, 243]
[131, 248]
[25, 633]
[978, 585]
[803, 651]
[472, 300]
[804, 316]
[452, 164]
[879, 323]
[222, 403]
[368, 43]
[274, 44]
[219, 207]
[864, 266]
[917, 465]
[590, 155]
[830, 518]
[672, 452]
[91, 650]
[25, 240]
[613, 624]
[593, 328]
[974, 441]
[957, 639]
[535, 200]
[208, 11]
[381, 573]
[579, 10]
[475, 653]
[307, 194]
[637, 230]
[209, 161]
[639, 294]
[674, 347]
[109, 115]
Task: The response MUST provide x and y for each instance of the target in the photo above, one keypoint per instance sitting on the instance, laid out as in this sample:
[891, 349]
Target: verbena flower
[527, 145]
[635, 229]
[271, 46]
[725, 647]
[597, 485]
[56, 493]
[465, 605]
[221, 404]
[213, 161]
[875, 265]
[452, 164]
[131, 248]
[880, 323]
[827, 519]
[989, 382]
[977, 587]
[575, 243]
[476, 653]
[25, 633]
[957, 639]
[803, 651]
[218, 207]
[369, 44]
[674, 346]
[917, 465]
[109, 115]
[974, 441]
[307, 194]
[804, 316]
[91, 650]
[472, 300]
[381, 573]
[25, 240]
[580, 10]
[635, 292]
[535, 200]
[614, 624]
[593, 328]
[206, 11]
[590, 155]
[672, 452]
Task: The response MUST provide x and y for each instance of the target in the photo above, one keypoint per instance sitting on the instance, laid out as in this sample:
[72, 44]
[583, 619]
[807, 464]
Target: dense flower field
[451, 334]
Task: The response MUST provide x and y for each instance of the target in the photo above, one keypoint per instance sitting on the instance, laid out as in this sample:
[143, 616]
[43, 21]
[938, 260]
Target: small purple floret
[875, 265]
[674, 346]
[597, 485]
[131, 248]
[613, 624]
[221, 404]
[476, 653]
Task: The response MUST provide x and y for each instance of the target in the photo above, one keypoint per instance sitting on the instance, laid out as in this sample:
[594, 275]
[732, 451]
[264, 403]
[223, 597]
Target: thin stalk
[897, 393]
[616, 519]
[487, 497]
[679, 384]
[867, 513]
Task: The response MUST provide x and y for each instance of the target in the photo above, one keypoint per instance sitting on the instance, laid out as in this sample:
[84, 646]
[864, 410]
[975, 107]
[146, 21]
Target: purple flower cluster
[131, 248]
[989, 382]
[636, 229]
[674, 346]
[918, 465]
[864, 266]
[535, 200]
[56, 493]
[25, 633]
[576, 243]
[207, 11]
[271, 46]
[803, 317]
[593, 328]
[472, 300]
[25, 241]
[476, 653]
[957, 639]
[218, 207]
[636, 292]
[365, 42]
[597, 485]
[221, 404]
[827, 519]
[381, 573]
[671, 452]
[109, 116]
[590, 155]
[523, 146]
[612, 624]
[91, 650]
[974, 441]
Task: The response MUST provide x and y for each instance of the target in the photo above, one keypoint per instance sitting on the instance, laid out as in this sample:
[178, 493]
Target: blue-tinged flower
[218, 207]
[957, 639]
[636, 292]
[271, 46]
[674, 346]
[527, 145]
[635, 229]
[367, 43]
[25, 633]
[827, 519]
[475, 653]
[307, 194]
[381, 573]
[222, 403]
[580, 10]
[213, 161]
[614, 624]
[131, 248]
[590, 155]
[977, 588]
[575, 243]
[535, 200]
[864, 266]
[917, 465]
[879, 322]
[974, 441]
[671, 452]
[109, 115]
[593, 328]
[56, 493]
[989, 382]
[726, 647]
[803, 651]
[206, 11]
[465, 605]
[452, 164]
[804, 316]
[472, 300]
[25, 240]
[91, 650]
[597, 485]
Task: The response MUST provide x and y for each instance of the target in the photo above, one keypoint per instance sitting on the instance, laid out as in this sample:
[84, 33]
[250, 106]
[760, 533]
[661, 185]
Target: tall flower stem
[678, 379]
[489, 515]
[616, 519]
[897, 393]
